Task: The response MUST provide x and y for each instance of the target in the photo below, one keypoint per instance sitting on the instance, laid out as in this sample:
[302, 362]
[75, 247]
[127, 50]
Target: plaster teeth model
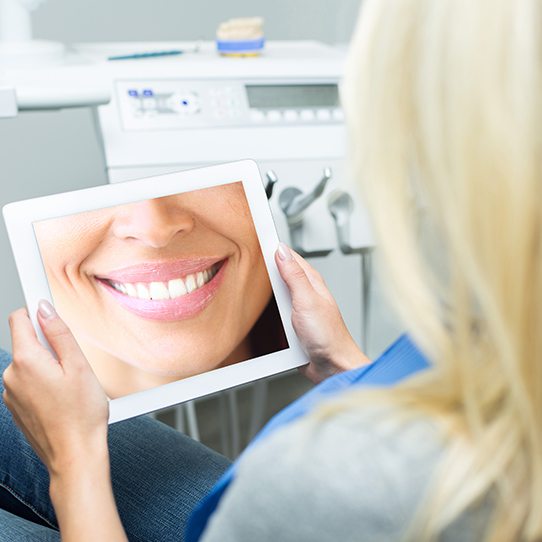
[240, 37]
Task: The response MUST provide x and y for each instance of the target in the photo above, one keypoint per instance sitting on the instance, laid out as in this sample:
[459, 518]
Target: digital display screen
[287, 96]
[163, 289]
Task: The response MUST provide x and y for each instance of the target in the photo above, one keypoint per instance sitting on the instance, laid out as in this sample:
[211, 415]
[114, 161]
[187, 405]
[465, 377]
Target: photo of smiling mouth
[166, 291]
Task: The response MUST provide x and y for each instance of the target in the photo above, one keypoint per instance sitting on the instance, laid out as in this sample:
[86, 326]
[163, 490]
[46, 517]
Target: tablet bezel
[20, 217]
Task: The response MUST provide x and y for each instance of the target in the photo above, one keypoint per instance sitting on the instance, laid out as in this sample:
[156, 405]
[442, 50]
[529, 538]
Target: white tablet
[168, 283]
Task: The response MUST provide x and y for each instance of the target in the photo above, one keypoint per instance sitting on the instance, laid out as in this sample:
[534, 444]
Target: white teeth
[190, 283]
[119, 286]
[166, 290]
[176, 288]
[158, 290]
[142, 291]
[131, 289]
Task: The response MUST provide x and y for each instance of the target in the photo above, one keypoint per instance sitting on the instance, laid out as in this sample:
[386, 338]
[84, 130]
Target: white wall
[116, 20]
[46, 153]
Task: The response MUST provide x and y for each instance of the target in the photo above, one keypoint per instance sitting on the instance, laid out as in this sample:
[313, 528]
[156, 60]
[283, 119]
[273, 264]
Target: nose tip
[155, 223]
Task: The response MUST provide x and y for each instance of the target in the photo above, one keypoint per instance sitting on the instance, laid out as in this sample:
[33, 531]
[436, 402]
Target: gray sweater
[357, 477]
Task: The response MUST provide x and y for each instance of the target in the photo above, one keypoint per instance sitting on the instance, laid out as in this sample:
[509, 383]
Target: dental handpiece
[271, 181]
[341, 206]
[293, 202]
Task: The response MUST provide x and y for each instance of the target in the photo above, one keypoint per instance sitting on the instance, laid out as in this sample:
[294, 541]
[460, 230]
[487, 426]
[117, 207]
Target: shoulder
[356, 472]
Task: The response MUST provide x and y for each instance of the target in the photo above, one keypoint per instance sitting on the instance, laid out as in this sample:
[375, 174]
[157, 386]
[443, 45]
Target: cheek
[262, 285]
[237, 226]
[239, 229]
[228, 214]
[63, 254]
[257, 286]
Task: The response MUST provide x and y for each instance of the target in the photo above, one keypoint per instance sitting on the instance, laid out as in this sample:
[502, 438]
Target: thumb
[294, 276]
[59, 336]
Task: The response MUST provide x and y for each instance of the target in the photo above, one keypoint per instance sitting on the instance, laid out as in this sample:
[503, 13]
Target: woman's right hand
[317, 320]
[58, 403]
[62, 410]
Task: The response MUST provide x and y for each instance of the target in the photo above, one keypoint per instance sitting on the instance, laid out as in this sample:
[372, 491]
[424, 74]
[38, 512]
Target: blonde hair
[444, 103]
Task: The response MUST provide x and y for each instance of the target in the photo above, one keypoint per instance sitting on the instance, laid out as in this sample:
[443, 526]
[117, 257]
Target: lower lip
[170, 310]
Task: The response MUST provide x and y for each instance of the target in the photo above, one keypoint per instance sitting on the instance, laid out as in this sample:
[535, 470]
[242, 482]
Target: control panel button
[148, 103]
[323, 114]
[256, 115]
[274, 115]
[185, 103]
[338, 114]
[307, 114]
[291, 115]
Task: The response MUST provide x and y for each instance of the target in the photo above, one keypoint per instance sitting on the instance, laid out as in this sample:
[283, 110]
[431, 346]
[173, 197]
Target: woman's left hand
[317, 320]
[58, 403]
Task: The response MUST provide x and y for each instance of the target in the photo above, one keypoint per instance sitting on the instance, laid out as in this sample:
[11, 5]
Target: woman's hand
[62, 410]
[317, 320]
[58, 403]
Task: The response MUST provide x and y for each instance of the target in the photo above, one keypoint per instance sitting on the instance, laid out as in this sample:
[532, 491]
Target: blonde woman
[444, 104]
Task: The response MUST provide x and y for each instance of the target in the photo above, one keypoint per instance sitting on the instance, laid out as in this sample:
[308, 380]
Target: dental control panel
[170, 104]
[281, 109]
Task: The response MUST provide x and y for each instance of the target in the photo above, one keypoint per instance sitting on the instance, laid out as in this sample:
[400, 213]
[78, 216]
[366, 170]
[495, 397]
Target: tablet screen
[162, 289]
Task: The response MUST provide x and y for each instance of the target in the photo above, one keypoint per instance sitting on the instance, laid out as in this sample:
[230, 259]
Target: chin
[174, 370]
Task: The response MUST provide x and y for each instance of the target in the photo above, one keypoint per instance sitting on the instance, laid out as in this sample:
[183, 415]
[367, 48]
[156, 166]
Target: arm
[317, 320]
[63, 411]
[83, 499]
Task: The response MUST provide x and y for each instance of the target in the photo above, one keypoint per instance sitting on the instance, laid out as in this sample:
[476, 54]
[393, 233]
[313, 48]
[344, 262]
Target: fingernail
[284, 252]
[46, 310]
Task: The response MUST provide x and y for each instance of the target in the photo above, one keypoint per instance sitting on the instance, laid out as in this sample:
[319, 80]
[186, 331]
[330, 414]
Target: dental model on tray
[241, 37]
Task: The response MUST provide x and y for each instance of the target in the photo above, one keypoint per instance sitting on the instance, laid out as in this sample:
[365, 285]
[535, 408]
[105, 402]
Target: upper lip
[159, 271]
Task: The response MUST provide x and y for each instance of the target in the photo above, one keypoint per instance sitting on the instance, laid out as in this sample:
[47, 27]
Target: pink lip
[160, 271]
[166, 310]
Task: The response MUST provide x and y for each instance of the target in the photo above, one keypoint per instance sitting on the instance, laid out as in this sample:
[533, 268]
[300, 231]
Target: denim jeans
[159, 475]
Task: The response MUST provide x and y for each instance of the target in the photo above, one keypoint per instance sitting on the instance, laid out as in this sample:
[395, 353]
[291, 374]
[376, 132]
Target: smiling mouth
[171, 289]
[179, 295]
